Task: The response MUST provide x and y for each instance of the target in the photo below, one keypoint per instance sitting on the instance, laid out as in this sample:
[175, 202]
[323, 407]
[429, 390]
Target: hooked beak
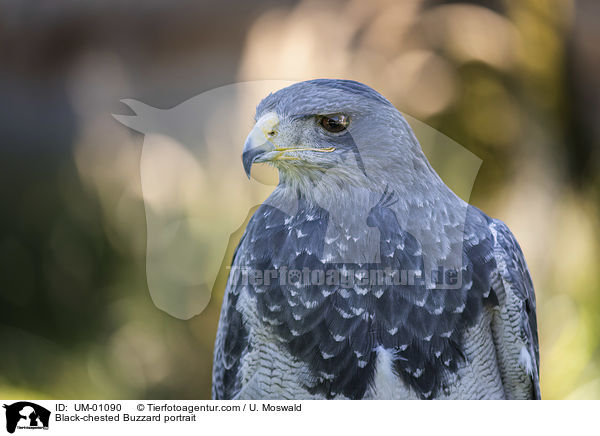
[256, 147]
[259, 148]
[257, 144]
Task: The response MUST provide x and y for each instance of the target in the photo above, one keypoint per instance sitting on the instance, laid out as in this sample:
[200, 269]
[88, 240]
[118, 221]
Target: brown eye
[334, 123]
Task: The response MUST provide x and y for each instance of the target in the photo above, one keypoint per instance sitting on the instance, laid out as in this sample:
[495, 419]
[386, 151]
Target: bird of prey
[363, 276]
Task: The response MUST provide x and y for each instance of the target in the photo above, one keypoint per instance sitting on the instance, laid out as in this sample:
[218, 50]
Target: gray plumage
[357, 199]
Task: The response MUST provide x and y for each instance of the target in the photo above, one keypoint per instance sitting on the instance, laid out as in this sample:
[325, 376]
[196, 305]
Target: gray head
[333, 133]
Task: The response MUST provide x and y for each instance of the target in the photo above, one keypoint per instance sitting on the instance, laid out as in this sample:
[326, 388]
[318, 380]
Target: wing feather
[231, 341]
[516, 319]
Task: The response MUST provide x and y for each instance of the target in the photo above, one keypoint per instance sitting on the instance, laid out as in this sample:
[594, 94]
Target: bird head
[336, 131]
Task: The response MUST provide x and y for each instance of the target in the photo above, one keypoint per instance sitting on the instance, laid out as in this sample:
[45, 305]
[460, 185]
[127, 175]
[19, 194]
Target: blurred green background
[514, 82]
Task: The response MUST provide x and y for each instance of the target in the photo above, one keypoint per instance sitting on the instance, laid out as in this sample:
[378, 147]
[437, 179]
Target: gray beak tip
[248, 158]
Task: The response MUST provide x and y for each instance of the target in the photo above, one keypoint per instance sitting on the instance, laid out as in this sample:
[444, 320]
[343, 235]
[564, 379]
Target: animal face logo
[196, 194]
[26, 415]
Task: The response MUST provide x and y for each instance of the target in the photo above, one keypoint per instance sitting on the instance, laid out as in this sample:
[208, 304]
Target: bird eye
[334, 123]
